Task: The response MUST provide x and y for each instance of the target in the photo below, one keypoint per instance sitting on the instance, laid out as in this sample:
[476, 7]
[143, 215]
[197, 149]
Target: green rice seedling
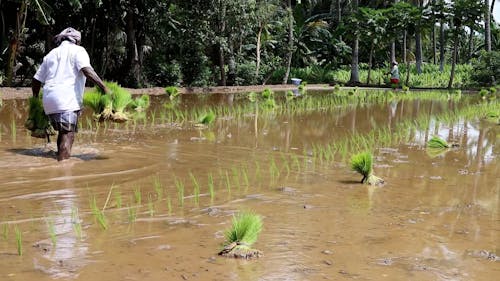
[273, 169]
[211, 187]
[296, 162]
[13, 131]
[98, 213]
[180, 191]
[153, 118]
[169, 205]
[151, 206]
[196, 189]
[244, 232]
[92, 100]
[158, 187]
[437, 142]
[257, 170]
[172, 92]
[245, 177]
[52, 231]
[138, 195]
[76, 222]
[118, 199]
[19, 240]
[236, 177]
[363, 164]
[131, 214]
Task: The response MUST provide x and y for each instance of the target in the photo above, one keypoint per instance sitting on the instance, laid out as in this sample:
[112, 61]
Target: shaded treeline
[142, 43]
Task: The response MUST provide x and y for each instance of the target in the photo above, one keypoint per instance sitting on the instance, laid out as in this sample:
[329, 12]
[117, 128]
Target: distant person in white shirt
[63, 74]
[394, 75]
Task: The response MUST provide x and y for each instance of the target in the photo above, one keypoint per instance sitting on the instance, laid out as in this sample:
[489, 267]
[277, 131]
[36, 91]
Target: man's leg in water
[64, 144]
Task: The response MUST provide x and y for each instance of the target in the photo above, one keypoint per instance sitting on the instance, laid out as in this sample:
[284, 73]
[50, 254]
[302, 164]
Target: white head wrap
[69, 34]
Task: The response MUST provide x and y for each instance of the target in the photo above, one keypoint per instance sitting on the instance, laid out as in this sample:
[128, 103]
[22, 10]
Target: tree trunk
[471, 44]
[290, 42]
[418, 44]
[370, 58]
[231, 76]
[355, 52]
[454, 59]
[393, 51]
[434, 52]
[418, 51]
[434, 60]
[487, 25]
[405, 54]
[257, 51]
[14, 43]
[134, 77]
[222, 30]
[222, 63]
[441, 46]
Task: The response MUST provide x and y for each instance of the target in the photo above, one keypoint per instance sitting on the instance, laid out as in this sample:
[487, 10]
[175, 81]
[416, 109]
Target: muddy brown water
[436, 218]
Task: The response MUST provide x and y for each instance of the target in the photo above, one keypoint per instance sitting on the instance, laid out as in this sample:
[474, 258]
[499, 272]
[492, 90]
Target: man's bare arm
[35, 87]
[92, 76]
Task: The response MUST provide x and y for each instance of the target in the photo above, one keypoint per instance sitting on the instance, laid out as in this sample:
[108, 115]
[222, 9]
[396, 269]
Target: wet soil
[436, 217]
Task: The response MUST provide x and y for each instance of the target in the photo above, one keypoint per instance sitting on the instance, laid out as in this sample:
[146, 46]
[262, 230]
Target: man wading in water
[63, 74]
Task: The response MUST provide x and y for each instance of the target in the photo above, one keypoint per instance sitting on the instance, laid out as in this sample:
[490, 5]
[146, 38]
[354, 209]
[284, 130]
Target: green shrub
[486, 69]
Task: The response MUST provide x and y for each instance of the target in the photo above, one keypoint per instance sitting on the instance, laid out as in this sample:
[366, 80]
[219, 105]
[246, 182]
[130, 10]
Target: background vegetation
[141, 43]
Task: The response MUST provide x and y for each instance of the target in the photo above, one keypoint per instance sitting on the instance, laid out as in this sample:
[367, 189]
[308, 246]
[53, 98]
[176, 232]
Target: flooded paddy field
[150, 199]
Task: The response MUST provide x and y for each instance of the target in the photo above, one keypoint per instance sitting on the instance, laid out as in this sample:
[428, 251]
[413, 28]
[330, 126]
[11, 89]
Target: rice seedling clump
[37, 122]
[110, 107]
[245, 229]
[437, 142]
[363, 164]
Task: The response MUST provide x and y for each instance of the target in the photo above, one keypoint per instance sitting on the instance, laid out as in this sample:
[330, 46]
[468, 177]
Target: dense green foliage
[240, 42]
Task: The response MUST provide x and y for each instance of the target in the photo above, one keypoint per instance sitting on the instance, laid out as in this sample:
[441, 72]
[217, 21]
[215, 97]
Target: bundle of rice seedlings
[108, 107]
[252, 96]
[99, 102]
[38, 123]
[140, 103]
[437, 142]
[493, 116]
[243, 233]
[363, 164]
[267, 93]
[207, 118]
[121, 98]
[172, 92]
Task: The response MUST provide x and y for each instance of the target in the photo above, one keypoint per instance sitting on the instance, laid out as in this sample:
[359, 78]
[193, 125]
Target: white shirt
[64, 82]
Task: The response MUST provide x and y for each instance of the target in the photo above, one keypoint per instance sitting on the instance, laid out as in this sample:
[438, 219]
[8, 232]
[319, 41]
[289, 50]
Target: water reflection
[431, 211]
